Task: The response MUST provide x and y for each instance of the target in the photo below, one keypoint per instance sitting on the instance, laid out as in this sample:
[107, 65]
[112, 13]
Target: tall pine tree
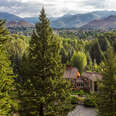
[7, 101]
[106, 97]
[45, 93]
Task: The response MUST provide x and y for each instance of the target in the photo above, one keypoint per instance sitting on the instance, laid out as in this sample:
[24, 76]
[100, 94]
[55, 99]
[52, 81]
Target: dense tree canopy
[38, 62]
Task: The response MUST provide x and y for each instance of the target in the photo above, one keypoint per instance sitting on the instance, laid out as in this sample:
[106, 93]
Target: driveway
[80, 110]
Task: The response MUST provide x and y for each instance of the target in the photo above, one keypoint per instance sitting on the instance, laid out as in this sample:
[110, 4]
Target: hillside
[18, 24]
[9, 17]
[104, 24]
[72, 21]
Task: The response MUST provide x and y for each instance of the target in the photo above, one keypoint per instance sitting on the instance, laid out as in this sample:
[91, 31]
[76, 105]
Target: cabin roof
[70, 72]
[94, 76]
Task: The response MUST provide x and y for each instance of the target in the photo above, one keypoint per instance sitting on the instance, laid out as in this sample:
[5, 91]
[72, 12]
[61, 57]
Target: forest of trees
[32, 69]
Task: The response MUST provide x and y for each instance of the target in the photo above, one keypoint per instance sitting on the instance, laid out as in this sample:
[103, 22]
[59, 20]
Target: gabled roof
[94, 76]
[70, 73]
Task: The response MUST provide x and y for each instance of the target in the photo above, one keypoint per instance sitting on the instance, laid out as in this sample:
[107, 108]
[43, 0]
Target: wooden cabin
[87, 81]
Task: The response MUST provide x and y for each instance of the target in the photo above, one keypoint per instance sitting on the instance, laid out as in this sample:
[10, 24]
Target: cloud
[20, 7]
[54, 7]
[97, 4]
[111, 4]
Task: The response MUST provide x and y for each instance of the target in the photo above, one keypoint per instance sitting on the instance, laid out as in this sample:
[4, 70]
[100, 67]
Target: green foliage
[89, 101]
[74, 100]
[79, 34]
[94, 67]
[39, 70]
[7, 95]
[69, 46]
[75, 92]
[43, 86]
[106, 97]
[79, 92]
[79, 60]
[16, 46]
[95, 51]
[8, 103]
[27, 31]
[3, 32]
[67, 50]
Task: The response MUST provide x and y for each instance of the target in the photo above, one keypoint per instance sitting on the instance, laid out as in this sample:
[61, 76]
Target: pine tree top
[3, 31]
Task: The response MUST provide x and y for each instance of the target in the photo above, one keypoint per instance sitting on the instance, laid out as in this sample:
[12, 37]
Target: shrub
[79, 92]
[74, 100]
[89, 102]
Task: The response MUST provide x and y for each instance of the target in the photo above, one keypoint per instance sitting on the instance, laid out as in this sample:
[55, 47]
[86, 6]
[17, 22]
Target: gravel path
[82, 111]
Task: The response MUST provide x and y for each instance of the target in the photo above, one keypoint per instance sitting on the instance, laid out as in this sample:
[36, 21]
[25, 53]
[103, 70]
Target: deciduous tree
[79, 60]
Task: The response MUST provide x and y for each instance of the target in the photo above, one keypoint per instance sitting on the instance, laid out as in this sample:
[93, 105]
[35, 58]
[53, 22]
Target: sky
[54, 8]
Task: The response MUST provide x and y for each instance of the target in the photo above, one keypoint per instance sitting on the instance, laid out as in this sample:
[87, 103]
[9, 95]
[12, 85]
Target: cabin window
[95, 86]
[80, 84]
[85, 84]
[91, 84]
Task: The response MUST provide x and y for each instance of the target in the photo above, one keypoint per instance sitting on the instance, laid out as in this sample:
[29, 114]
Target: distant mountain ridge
[66, 21]
[10, 17]
[21, 23]
[103, 24]
[31, 19]
[78, 20]
[14, 21]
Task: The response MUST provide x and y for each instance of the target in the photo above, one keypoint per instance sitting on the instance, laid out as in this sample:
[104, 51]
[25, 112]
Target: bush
[74, 100]
[79, 92]
[74, 92]
[80, 99]
[89, 102]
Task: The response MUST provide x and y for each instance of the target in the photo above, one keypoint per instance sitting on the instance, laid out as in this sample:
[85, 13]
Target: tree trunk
[41, 113]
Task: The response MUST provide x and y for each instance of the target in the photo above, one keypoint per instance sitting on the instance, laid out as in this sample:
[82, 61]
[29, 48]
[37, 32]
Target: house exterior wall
[81, 84]
[85, 82]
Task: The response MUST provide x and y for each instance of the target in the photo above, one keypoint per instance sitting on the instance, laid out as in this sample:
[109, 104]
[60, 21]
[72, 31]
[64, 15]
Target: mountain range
[102, 24]
[66, 21]
[9, 17]
[78, 20]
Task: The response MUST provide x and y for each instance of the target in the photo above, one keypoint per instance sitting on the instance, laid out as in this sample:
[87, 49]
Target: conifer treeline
[31, 71]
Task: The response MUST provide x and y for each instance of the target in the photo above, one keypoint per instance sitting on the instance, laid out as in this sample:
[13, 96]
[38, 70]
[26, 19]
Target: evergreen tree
[45, 90]
[95, 51]
[106, 97]
[7, 104]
